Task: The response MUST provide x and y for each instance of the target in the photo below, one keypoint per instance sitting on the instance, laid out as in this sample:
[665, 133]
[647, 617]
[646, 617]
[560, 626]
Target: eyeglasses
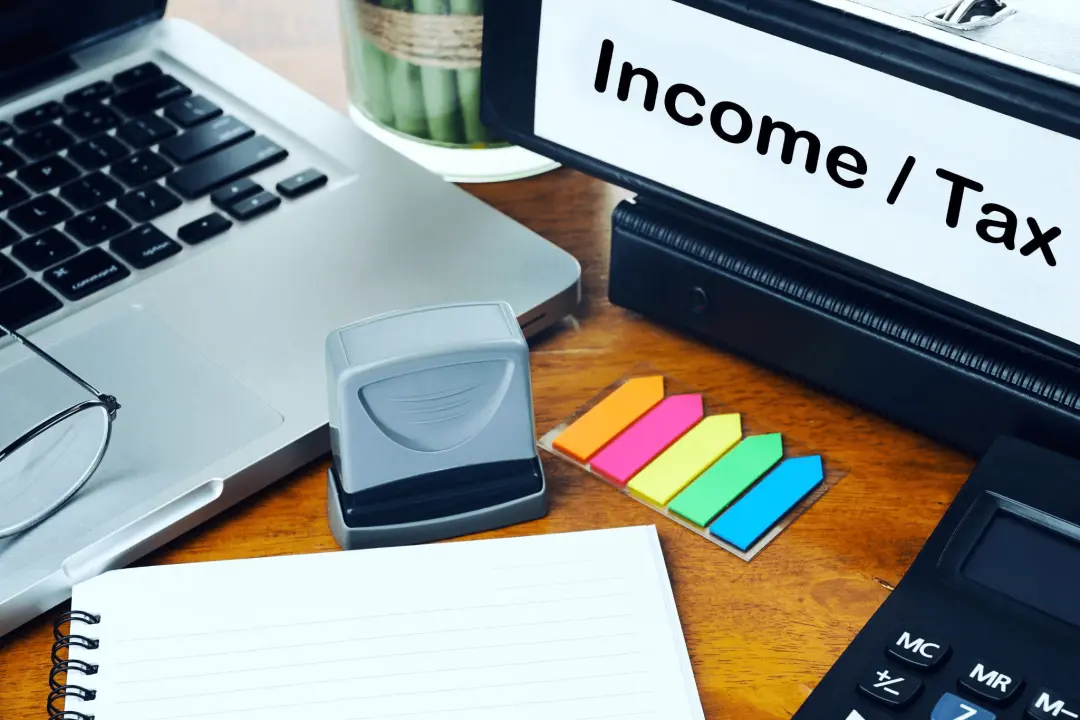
[45, 467]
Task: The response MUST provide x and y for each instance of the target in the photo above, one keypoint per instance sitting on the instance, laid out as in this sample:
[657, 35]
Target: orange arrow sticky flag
[600, 425]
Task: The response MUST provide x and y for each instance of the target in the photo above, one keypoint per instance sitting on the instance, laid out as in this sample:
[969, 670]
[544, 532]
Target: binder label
[965, 200]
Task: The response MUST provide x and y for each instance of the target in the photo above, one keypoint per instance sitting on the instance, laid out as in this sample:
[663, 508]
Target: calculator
[986, 622]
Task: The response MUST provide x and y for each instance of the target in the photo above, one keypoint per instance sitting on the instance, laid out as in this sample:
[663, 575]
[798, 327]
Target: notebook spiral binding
[60, 691]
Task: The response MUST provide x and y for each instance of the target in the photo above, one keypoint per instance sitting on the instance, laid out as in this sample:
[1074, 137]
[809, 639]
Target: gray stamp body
[431, 426]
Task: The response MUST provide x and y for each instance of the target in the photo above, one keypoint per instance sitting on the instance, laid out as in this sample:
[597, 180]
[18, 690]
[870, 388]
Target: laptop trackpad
[179, 414]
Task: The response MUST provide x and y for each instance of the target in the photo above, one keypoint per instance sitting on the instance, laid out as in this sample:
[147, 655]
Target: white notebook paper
[574, 626]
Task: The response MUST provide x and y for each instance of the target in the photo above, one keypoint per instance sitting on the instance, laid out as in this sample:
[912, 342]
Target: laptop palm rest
[179, 414]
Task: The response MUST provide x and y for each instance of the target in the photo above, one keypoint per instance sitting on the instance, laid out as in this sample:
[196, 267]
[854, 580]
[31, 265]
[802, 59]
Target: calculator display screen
[1029, 563]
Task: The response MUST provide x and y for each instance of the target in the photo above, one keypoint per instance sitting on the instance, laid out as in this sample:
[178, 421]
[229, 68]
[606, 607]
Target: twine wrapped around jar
[451, 42]
[420, 67]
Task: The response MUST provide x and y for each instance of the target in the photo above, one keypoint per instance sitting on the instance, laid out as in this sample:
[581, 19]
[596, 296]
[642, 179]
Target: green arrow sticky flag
[728, 478]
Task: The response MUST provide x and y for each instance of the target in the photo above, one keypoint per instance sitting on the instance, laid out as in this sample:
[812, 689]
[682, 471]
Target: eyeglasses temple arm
[111, 405]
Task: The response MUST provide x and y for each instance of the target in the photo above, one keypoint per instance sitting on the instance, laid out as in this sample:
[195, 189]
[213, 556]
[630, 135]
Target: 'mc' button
[991, 682]
[918, 652]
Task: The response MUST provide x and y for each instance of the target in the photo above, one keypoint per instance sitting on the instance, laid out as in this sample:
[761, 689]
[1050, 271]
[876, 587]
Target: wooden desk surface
[761, 634]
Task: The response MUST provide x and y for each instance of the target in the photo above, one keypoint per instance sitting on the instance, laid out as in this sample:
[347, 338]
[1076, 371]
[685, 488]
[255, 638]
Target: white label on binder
[962, 199]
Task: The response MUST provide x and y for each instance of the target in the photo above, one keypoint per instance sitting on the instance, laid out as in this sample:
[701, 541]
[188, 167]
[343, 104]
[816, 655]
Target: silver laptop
[182, 228]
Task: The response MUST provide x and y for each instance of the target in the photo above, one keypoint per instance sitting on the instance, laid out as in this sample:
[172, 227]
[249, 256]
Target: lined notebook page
[575, 626]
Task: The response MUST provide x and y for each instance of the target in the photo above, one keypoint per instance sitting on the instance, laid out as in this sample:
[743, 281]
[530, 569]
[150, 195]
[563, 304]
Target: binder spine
[957, 383]
[59, 691]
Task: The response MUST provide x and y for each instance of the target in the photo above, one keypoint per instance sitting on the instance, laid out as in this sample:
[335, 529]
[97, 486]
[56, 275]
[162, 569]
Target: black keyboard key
[10, 273]
[148, 202]
[301, 183]
[41, 251]
[86, 274]
[204, 228]
[48, 173]
[203, 140]
[228, 195]
[9, 160]
[8, 235]
[92, 190]
[11, 194]
[191, 111]
[137, 74]
[144, 246]
[6, 131]
[98, 152]
[254, 206]
[43, 141]
[150, 95]
[233, 163]
[91, 120]
[98, 225]
[39, 115]
[146, 131]
[25, 303]
[42, 212]
[89, 95]
[140, 168]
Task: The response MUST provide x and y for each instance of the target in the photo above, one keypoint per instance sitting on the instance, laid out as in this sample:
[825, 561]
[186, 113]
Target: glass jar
[413, 70]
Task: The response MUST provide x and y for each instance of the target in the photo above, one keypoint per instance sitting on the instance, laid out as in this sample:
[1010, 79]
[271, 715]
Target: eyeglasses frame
[102, 400]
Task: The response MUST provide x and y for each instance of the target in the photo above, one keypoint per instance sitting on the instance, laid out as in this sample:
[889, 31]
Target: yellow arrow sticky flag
[663, 478]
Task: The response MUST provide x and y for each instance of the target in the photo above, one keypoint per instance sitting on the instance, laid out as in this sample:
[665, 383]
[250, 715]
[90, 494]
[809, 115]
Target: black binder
[958, 372]
[731, 285]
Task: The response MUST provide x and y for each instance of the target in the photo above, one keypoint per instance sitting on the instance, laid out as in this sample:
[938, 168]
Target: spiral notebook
[573, 626]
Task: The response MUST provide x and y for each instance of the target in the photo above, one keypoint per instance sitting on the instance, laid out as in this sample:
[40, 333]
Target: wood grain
[760, 634]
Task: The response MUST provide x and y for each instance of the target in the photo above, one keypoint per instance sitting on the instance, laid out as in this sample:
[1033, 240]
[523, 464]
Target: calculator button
[1049, 705]
[951, 707]
[917, 651]
[864, 715]
[890, 687]
[991, 682]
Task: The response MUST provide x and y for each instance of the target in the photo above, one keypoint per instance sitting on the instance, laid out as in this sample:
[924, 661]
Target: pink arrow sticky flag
[653, 433]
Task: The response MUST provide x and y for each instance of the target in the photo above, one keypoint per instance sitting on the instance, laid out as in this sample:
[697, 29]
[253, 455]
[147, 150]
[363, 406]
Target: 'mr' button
[991, 682]
[918, 651]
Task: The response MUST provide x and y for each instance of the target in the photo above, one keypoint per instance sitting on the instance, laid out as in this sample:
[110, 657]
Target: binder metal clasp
[966, 15]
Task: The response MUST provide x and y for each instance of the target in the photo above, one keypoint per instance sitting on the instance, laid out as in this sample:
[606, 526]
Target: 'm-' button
[918, 652]
[991, 682]
[1049, 705]
[863, 715]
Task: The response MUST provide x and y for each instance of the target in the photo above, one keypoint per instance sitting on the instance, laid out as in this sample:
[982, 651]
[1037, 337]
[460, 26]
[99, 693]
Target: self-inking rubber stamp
[431, 426]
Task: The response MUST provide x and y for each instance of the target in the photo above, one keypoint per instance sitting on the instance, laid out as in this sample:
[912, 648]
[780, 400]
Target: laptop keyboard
[83, 178]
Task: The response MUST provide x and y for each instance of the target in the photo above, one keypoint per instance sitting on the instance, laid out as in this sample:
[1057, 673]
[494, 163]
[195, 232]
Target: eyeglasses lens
[41, 475]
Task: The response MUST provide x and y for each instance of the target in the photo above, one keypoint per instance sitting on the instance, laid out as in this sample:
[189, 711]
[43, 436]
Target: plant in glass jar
[414, 83]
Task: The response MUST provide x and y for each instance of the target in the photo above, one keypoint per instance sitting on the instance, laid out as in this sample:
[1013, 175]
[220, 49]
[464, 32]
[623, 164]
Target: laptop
[183, 228]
